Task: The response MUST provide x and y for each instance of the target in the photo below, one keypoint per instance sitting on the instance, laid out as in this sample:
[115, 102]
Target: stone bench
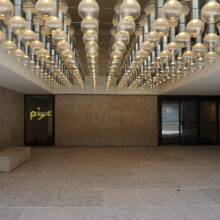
[12, 157]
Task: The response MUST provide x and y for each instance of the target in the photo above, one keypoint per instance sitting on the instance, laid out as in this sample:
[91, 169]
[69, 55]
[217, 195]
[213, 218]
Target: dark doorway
[189, 119]
[39, 120]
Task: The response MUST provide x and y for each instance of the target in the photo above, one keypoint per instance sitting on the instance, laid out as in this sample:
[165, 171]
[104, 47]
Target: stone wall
[11, 118]
[106, 120]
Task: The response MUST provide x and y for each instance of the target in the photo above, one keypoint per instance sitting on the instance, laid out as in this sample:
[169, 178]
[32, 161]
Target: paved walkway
[139, 183]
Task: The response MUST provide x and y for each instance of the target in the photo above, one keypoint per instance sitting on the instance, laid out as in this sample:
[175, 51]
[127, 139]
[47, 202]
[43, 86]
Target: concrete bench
[13, 157]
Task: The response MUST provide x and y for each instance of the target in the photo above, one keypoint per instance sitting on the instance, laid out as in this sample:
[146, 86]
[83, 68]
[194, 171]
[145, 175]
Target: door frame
[180, 98]
[53, 120]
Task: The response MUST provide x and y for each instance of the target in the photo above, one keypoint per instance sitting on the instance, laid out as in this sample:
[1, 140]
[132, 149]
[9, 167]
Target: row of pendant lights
[89, 11]
[41, 37]
[174, 38]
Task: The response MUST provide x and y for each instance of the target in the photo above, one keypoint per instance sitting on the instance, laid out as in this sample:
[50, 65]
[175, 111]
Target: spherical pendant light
[45, 8]
[195, 28]
[116, 54]
[153, 37]
[63, 45]
[183, 38]
[17, 24]
[211, 40]
[172, 10]
[63, 6]
[27, 37]
[36, 45]
[161, 26]
[130, 8]
[173, 47]
[188, 57]
[165, 55]
[45, 31]
[139, 31]
[122, 36]
[150, 8]
[19, 54]
[211, 12]
[2, 37]
[119, 45]
[38, 20]
[143, 21]
[67, 19]
[88, 8]
[29, 6]
[90, 35]
[141, 55]
[58, 35]
[6, 9]
[127, 24]
[89, 23]
[147, 46]
[43, 54]
[67, 54]
[91, 45]
[211, 57]
[199, 49]
[9, 46]
[53, 23]
[186, 8]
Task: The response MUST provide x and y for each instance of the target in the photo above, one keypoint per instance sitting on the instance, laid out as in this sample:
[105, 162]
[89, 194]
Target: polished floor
[136, 183]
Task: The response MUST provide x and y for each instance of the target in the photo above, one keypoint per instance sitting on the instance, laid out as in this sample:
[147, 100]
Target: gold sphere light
[172, 10]
[210, 13]
[195, 28]
[17, 24]
[89, 23]
[53, 23]
[130, 8]
[149, 45]
[127, 24]
[88, 8]
[6, 9]
[45, 8]
[27, 37]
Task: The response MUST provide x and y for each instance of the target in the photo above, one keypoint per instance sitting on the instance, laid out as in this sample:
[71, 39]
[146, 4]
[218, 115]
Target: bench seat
[12, 157]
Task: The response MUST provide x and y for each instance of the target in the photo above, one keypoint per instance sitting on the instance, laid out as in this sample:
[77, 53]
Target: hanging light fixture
[89, 11]
[173, 44]
[38, 34]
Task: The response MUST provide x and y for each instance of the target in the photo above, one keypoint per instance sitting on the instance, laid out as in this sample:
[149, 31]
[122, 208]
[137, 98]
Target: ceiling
[106, 14]
[16, 77]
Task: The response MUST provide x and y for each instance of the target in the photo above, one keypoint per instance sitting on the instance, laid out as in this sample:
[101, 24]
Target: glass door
[208, 122]
[188, 122]
[39, 120]
[170, 122]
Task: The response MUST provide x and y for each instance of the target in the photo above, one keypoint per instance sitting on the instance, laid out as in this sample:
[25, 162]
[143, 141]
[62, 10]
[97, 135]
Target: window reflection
[170, 122]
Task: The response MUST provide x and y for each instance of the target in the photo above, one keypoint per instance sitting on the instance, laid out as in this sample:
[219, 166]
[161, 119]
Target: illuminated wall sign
[39, 115]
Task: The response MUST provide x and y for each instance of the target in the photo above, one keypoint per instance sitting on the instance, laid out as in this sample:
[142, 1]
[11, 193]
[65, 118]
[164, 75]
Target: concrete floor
[153, 183]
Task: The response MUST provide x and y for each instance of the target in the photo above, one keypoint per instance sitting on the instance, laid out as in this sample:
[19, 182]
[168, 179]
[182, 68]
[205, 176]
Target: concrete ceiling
[16, 77]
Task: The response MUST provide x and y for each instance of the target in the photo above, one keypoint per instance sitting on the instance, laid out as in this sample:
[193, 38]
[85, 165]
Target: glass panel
[188, 122]
[170, 122]
[208, 122]
[39, 120]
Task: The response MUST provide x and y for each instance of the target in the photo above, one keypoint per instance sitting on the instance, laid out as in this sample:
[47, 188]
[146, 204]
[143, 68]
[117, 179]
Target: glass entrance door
[170, 122]
[188, 122]
[39, 120]
[208, 122]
